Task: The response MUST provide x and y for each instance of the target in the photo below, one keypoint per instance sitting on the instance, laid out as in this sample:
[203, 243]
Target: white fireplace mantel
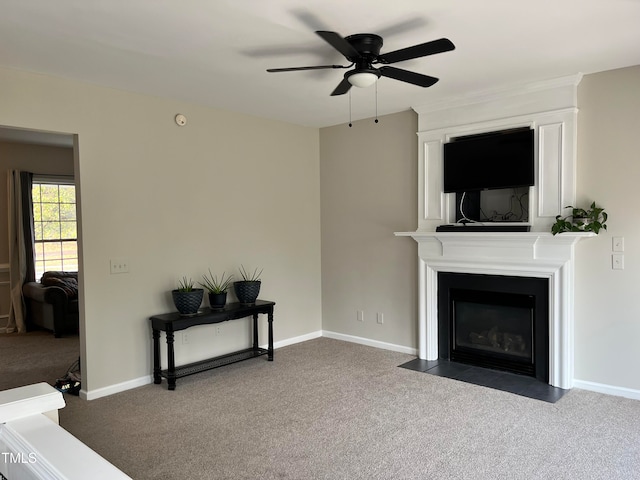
[523, 254]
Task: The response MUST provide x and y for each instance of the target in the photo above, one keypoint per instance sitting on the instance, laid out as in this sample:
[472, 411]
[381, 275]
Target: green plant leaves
[592, 219]
[213, 285]
[185, 285]
[250, 278]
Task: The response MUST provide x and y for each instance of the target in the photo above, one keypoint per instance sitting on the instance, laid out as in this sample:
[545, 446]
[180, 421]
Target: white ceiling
[215, 52]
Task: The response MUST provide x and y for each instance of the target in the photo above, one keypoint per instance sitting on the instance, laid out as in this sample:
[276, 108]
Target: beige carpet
[327, 409]
[35, 357]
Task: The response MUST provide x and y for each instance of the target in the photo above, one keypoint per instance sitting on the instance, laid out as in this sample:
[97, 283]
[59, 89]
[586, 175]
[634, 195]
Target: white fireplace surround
[549, 108]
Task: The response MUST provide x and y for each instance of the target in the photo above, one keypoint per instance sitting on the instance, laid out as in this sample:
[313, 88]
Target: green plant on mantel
[591, 219]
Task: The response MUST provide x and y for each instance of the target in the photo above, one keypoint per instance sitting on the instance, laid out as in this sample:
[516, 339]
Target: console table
[173, 322]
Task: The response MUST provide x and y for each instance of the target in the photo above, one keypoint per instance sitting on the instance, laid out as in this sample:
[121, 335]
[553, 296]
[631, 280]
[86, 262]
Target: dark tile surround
[507, 382]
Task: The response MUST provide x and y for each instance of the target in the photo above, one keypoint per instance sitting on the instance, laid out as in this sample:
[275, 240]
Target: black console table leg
[270, 351]
[156, 357]
[171, 372]
[255, 332]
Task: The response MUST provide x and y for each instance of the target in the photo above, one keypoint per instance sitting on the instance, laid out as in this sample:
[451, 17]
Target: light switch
[617, 244]
[119, 265]
[617, 261]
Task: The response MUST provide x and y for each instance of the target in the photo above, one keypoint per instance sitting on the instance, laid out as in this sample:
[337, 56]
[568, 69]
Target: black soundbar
[477, 227]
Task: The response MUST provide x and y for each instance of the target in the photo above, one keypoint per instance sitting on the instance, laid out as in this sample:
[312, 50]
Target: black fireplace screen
[495, 322]
[493, 327]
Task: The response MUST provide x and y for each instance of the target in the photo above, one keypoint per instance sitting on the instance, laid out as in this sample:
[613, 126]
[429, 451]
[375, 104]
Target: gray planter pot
[217, 300]
[188, 303]
[247, 291]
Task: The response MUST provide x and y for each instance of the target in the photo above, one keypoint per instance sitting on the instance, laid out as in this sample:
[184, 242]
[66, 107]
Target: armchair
[52, 303]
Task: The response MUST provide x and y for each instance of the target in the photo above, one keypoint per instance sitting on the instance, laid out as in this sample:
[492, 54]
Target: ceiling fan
[363, 51]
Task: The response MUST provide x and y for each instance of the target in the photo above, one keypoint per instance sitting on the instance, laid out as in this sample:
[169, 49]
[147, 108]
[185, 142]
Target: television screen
[489, 161]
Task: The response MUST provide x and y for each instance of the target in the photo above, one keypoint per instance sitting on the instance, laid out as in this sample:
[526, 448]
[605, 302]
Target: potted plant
[592, 219]
[186, 297]
[217, 288]
[248, 288]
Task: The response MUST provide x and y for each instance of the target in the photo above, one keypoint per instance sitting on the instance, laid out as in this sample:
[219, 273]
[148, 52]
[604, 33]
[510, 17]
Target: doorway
[29, 358]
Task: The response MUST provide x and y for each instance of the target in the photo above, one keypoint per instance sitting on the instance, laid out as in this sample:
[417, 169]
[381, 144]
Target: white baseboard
[117, 388]
[608, 389]
[146, 380]
[371, 343]
[294, 340]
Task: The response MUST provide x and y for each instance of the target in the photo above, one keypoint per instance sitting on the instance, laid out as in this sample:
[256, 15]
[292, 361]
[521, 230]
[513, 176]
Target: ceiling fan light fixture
[362, 78]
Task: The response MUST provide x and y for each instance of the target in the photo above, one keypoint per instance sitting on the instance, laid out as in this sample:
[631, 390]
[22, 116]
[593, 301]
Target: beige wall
[607, 310]
[369, 189]
[227, 189]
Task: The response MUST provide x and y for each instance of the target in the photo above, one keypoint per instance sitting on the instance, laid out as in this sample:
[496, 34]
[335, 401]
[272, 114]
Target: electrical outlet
[380, 318]
[360, 316]
[185, 338]
[119, 265]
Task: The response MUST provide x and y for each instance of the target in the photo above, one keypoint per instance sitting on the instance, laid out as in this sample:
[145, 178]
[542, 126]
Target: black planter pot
[188, 303]
[247, 291]
[217, 300]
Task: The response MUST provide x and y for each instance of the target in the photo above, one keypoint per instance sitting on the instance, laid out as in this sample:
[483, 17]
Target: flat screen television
[489, 161]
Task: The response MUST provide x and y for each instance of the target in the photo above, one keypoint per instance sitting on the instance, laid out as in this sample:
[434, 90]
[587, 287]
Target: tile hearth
[507, 382]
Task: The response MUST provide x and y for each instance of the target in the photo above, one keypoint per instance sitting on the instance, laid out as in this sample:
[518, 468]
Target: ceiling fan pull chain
[376, 102]
[350, 124]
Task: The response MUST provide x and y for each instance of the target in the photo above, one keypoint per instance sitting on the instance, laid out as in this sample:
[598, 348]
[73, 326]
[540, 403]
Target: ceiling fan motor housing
[368, 45]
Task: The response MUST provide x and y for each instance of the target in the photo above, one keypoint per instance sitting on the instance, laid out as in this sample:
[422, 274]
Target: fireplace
[513, 255]
[495, 321]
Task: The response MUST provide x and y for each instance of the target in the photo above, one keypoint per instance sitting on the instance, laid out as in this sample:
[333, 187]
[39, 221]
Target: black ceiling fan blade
[293, 69]
[403, 26]
[407, 76]
[422, 50]
[342, 88]
[339, 43]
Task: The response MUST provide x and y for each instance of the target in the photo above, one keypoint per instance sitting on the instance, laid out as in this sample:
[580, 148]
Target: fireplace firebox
[495, 321]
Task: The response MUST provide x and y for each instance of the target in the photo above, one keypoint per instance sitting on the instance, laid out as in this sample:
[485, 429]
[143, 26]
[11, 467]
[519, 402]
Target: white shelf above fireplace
[508, 247]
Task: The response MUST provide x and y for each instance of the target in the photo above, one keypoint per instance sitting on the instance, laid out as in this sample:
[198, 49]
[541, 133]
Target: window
[54, 219]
